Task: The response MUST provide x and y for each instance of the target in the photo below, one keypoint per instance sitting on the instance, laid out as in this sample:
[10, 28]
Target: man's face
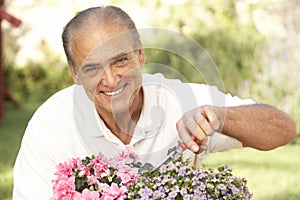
[109, 68]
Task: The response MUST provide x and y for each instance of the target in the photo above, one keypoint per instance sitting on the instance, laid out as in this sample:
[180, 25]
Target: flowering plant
[95, 178]
[99, 178]
[179, 180]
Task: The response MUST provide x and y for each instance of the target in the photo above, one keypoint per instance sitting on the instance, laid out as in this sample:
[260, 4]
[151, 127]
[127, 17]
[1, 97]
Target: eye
[121, 61]
[91, 71]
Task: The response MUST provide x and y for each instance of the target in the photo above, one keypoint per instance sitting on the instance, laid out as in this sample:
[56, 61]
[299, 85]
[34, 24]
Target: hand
[196, 125]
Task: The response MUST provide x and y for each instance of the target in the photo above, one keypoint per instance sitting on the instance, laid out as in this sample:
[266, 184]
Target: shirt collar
[149, 123]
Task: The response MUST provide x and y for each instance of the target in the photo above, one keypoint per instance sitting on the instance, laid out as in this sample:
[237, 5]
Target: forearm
[258, 126]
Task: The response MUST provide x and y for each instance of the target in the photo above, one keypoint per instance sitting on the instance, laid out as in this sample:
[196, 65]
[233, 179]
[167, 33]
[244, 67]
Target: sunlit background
[255, 45]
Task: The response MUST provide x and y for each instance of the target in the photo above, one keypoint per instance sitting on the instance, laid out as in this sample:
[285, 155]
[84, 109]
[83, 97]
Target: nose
[109, 77]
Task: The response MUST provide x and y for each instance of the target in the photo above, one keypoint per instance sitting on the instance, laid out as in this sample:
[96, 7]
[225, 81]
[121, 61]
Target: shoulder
[58, 104]
[62, 96]
[52, 123]
[160, 79]
[49, 122]
[203, 94]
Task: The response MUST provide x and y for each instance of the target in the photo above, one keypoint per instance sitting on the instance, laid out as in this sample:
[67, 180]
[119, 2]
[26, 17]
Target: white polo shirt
[67, 125]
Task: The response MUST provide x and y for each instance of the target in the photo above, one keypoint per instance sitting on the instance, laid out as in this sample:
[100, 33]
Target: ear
[142, 57]
[73, 73]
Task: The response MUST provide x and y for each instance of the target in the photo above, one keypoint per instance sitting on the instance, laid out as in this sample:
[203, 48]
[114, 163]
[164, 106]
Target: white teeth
[114, 92]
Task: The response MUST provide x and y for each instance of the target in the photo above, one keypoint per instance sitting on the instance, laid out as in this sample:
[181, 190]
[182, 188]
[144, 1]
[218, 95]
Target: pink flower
[114, 192]
[87, 195]
[104, 187]
[128, 154]
[77, 196]
[92, 180]
[83, 171]
[100, 173]
[100, 164]
[64, 188]
[87, 171]
[101, 170]
[64, 169]
[127, 175]
[77, 163]
[98, 159]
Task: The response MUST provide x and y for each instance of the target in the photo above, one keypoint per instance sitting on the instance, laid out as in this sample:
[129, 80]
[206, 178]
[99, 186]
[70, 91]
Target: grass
[271, 175]
[11, 132]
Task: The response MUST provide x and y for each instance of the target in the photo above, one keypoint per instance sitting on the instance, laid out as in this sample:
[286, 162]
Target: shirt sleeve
[33, 167]
[220, 142]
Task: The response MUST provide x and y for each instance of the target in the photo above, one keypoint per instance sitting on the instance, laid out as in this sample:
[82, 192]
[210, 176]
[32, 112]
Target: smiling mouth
[113, 93]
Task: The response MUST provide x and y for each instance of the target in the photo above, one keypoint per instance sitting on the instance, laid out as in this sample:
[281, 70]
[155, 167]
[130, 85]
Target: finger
[203, 146]
[183, 146]
[212, 117]
[185, 137]
[194, 128]
[203, 123]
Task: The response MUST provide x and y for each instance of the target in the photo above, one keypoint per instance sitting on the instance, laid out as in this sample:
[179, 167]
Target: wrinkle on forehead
[107, 50]
[89, 36]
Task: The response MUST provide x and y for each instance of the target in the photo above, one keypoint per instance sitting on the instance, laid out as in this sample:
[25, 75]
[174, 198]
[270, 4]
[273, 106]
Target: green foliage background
[37, 81]
[231, 44]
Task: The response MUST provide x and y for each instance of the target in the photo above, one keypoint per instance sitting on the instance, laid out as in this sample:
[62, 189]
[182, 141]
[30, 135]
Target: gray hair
[99, 15]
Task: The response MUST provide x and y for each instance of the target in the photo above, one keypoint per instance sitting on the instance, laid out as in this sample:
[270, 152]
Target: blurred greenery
[252, 64]
[231, 44]
[12, 129]
[38, 80]
[271, 175]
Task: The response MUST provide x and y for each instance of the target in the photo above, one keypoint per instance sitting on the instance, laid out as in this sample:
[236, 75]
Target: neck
[123, 124]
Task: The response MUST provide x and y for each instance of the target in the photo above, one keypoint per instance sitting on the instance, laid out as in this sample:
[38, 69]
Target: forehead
[97, 44]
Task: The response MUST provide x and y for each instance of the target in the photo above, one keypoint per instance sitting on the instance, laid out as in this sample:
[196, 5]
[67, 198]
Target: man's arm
[258, 126]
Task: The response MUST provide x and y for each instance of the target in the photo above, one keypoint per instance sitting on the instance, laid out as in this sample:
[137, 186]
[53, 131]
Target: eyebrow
[118, 56]
[90, 65]
[110, 60]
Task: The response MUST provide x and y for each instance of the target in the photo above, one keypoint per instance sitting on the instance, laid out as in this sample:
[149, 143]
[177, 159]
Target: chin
[119, 108]
[115, 108]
